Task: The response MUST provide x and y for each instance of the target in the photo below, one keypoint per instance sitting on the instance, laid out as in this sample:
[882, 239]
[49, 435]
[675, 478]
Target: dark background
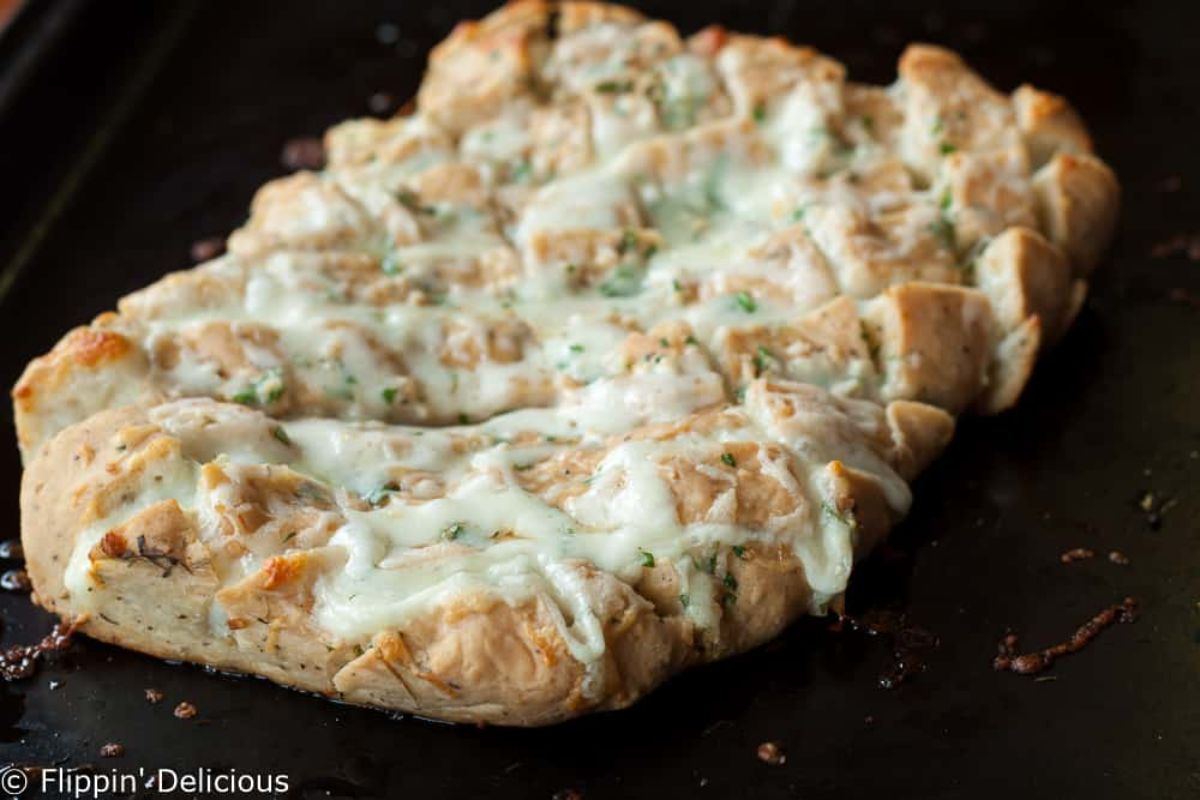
[128, 130]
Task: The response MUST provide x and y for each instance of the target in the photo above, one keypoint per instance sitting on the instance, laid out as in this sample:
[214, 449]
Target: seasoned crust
[1078, 200]
[90, 368]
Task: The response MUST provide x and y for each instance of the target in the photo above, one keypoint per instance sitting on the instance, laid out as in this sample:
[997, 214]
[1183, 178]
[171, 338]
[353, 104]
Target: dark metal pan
[137, 128]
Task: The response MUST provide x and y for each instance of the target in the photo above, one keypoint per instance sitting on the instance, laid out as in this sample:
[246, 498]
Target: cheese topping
[499, 340]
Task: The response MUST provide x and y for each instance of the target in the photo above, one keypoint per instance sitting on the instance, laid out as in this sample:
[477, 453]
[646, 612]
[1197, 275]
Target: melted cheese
[679, 187]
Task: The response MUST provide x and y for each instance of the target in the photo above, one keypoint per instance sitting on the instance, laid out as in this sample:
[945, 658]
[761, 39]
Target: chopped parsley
[521, 171]
[869, 340]
[246, 397]
[731, 590]
[380, 496]
[629, 242]
[739, 551]
[613, 87]
[691, 341]
[762, 360]
[453, 531]
[760, 113]
[279, 433]
[388, 395]
[266, 390]
[625, 281]
[943, 229]
[728, 460]
[685, 600]
[868, 123]
[463, 419]
[945, 148]
[576, 348]
[746, 302]
[647, 557]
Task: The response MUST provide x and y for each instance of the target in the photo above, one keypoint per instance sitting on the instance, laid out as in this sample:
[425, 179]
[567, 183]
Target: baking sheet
[147, 127]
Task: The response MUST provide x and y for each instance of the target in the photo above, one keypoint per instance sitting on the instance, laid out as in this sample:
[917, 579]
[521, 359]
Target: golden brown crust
[1078, 200]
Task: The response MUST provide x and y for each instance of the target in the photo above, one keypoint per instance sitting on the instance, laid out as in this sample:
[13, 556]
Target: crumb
[869, 719]
[154, 696]
[771, 753]
[54, 685]
[1181, 244]
[1038, 661]
[1117, 557]
[568, 794]
[185, 710]
[112, 750]
[1076, 554]
[207, 249]
[303, 153]
[20, 660]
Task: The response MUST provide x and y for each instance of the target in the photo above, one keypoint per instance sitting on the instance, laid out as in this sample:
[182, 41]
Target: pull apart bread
[608, 360]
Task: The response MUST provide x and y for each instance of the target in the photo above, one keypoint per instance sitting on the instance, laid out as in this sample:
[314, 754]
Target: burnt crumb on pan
[1076, 554]
[207, 249]
[15, 580]
[909, 643]
[771, 753]
[154, 696]
[1155, 508]
[1008, 660]
[54, 685]
[303, 152]
[20, 661]
[1181, 244]
[112, 750]
[185, 710]
[11, 550]
[1117, 557]
[568, 794]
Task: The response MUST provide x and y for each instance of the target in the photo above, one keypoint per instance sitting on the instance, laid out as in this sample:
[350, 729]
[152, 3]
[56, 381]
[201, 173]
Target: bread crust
[157, 579]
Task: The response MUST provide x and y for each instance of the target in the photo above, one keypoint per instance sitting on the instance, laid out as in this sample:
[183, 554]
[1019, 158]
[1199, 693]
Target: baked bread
[608, 360]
